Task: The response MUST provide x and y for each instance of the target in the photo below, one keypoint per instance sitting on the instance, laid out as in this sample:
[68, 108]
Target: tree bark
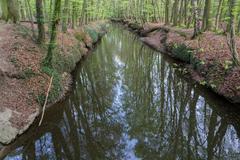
[219, 9]
[206, 16]
[167, 12]
[65, 16]
[13, 12]
[4, 9]
[52, 43]
[40, 21]
[231, 41]
[196, 19]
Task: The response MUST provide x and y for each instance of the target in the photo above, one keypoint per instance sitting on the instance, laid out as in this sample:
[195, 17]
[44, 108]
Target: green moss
[182, 52]
[92, 33]
[14, 61]
[28, 73]
[66, 63]
[56, 85]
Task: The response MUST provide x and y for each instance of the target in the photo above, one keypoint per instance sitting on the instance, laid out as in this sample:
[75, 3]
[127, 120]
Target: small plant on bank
[227, 65]
[56, 84]
[92, 33]
[28, 73]
[182, 52]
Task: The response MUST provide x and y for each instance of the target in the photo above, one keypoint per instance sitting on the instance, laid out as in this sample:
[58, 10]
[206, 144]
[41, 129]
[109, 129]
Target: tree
[4, 9]
[13, 10]
[231, 40]
[196, 19]
[206, 16]
[10, 10]
[175, 12]
[40, 21]
[65, 15]
[52, 43]
[167, 12]
[219, 9]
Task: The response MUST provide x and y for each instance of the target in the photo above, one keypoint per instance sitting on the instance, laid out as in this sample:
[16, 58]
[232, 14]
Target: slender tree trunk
[231, 41]
[219, 9]
[196, 19]
[52, 43]
[167, 12]
[22, 10]
[13, 11]
[65, 15]
[4, 8]
[74, 15]
[40, 21]
[175, 12]
[30, 17]
[206, 16]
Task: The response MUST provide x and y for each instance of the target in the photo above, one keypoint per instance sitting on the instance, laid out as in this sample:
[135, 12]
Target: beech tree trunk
[219, 9]
[196, 19]
[232, 42]
[13, 9]
[40, 21]
[206, 16]
[167, 12]
[52, 43]
[65, 15]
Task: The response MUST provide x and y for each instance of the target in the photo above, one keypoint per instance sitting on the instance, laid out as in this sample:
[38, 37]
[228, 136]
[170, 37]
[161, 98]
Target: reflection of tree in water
[170, 119]
[127, 92]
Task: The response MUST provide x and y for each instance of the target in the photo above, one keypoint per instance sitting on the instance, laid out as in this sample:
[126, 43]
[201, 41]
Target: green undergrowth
[66, 62]
[56, 87]
[92, 33]
[28, 73]
[213, 73]
[182, 52]
[63, 62]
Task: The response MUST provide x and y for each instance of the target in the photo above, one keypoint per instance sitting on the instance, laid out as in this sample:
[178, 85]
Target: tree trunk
[13, 12]
[65, 16]
[175, 12]
[206, 16]
[231, 41]
[40, 21]
[219, 9]
[52, 43]
[4, 8]
[167, 12]
[196, 19]
[30, 17]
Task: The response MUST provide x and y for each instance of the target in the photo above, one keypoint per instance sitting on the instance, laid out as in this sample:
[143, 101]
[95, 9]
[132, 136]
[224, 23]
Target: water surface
[130, 102]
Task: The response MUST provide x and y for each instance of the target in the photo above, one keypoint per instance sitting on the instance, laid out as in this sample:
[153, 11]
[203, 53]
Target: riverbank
[24, 81]
[207, 58]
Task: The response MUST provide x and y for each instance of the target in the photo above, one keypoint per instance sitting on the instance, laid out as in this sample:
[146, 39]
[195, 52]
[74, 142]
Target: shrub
[56, 85]
[92, 33]
[182, 52]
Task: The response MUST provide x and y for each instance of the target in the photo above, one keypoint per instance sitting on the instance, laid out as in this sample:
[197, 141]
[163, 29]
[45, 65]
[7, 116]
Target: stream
[130, 102]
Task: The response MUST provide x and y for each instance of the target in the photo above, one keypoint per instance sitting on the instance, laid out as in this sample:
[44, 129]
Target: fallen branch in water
[46, 99]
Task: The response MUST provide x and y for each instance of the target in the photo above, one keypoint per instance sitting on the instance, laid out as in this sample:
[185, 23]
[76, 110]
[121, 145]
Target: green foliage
[66, 63]
[14, 61]
[227, 65]
[41, 98]
[56, 85]
[79, 36]
[203, 83]
[182, 52]
[92, 33]
[28, 73]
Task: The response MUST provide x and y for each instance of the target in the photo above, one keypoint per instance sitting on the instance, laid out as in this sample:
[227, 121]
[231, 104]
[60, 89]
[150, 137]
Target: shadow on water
[129, 102]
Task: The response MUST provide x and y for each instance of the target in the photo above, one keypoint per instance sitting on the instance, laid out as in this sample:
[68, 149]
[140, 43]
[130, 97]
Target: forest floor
[22, 79]
[208, 57]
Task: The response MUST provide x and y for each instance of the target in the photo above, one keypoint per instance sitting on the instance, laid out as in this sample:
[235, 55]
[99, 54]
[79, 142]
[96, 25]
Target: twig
[46, 99]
